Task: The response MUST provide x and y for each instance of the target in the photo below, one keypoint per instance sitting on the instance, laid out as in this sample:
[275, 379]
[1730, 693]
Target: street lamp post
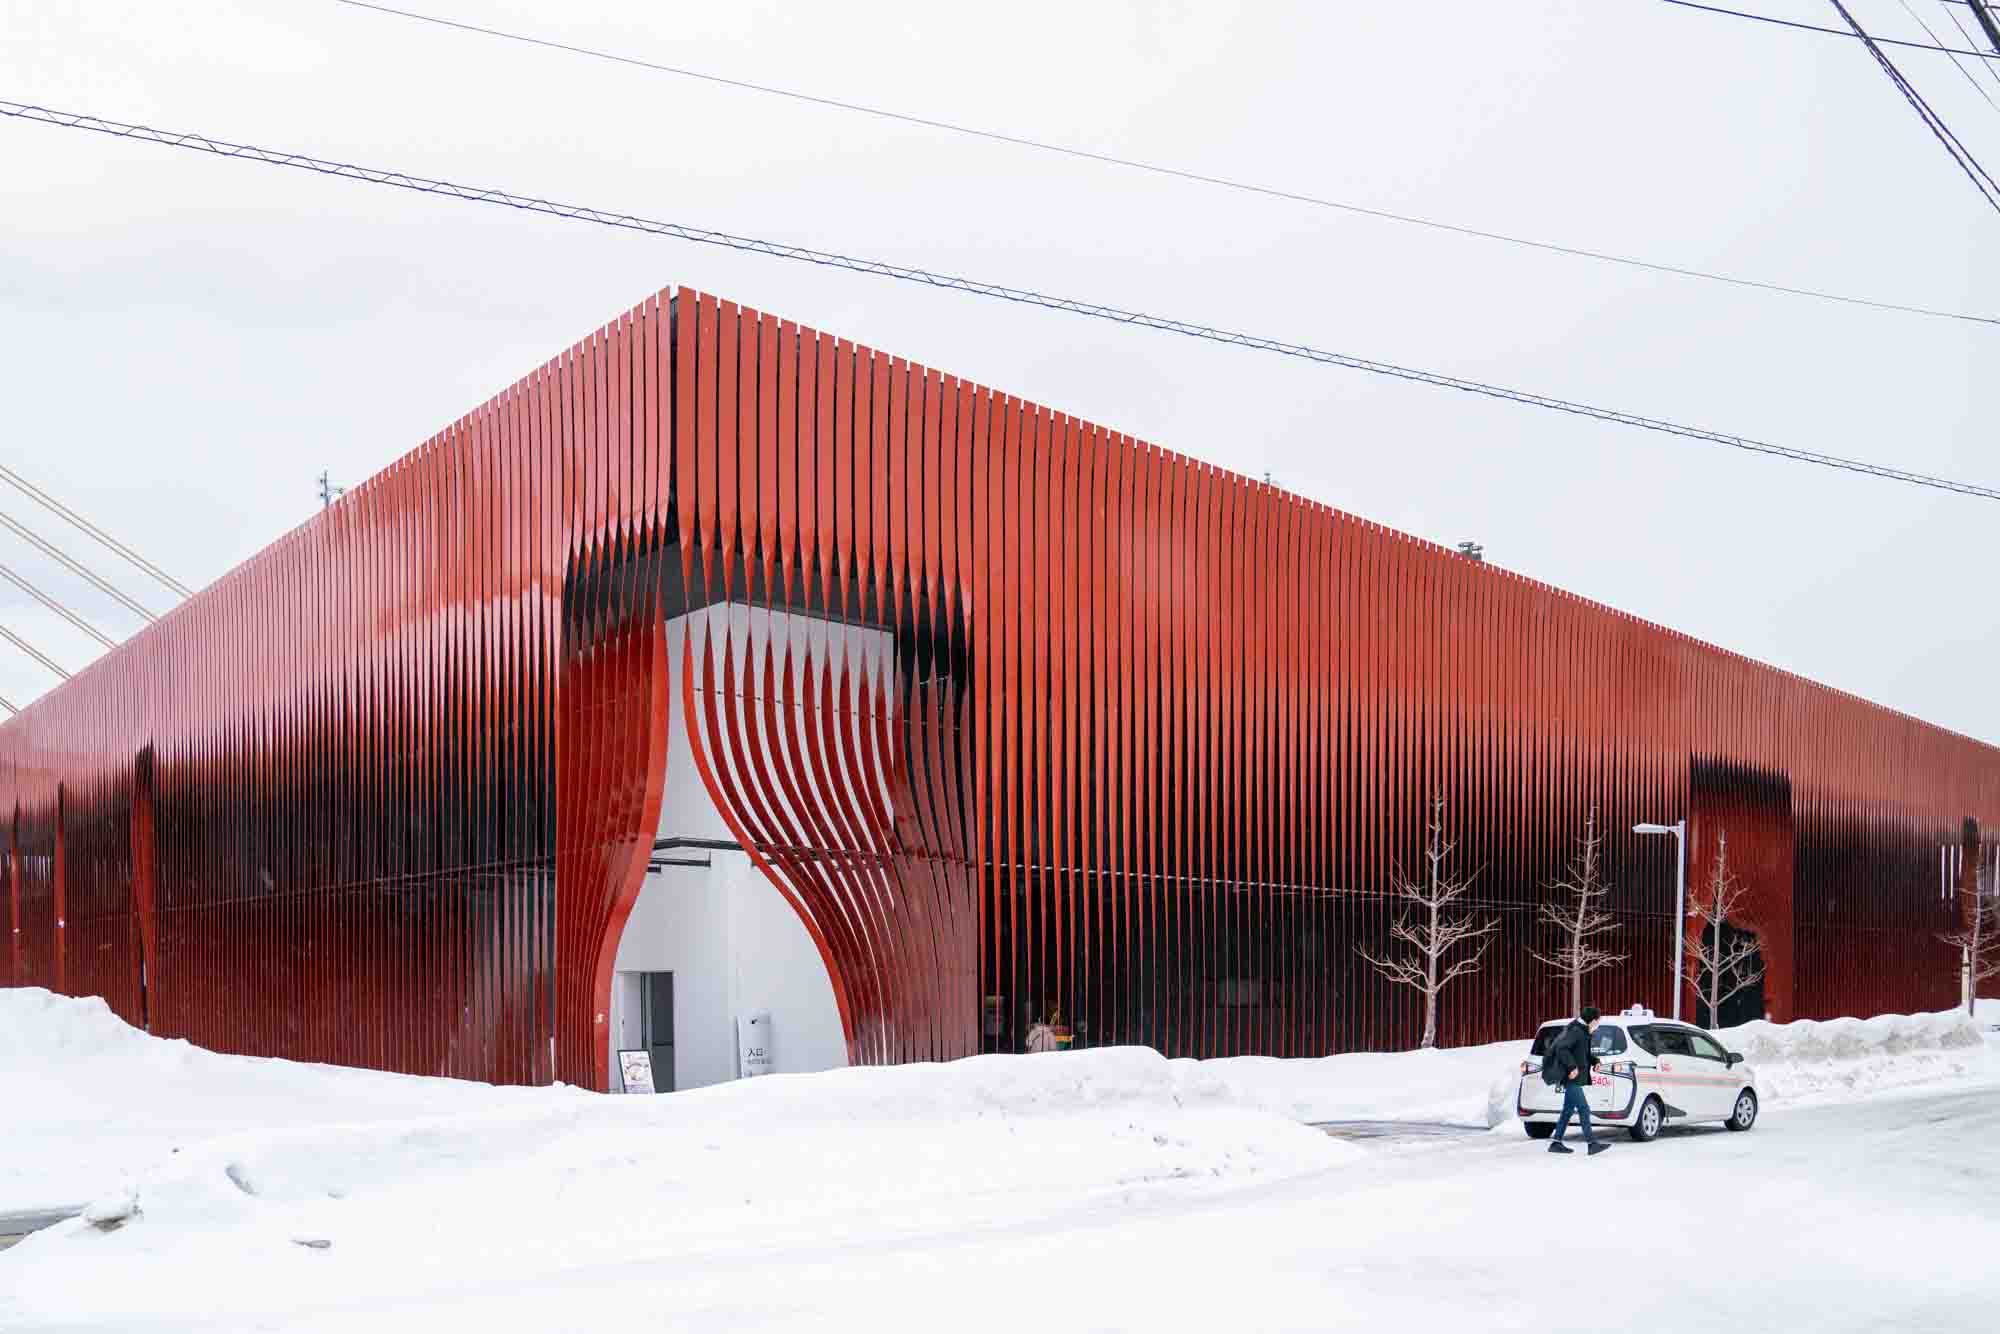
[1679, 830]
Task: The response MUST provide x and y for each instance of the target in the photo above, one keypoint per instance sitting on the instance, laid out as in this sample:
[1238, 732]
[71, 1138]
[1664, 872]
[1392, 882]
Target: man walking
[1570, 1055]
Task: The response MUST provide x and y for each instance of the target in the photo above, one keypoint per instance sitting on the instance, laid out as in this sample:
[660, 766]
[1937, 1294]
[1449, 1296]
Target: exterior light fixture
[1679, 830]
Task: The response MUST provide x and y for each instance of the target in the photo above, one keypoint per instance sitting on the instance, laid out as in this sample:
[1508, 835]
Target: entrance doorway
[656, 1026]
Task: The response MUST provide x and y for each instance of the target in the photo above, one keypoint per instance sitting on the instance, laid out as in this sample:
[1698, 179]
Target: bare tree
[1731, 966]
[1978, 941]
[1582, 919]
[1430, 930]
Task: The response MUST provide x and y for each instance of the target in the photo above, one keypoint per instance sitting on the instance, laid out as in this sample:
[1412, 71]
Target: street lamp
[1679, 830]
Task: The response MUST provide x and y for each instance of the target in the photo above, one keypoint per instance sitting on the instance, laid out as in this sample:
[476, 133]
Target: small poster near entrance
[635, 1071]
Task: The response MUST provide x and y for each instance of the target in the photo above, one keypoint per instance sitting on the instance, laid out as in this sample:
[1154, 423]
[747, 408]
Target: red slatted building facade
[1155, 738]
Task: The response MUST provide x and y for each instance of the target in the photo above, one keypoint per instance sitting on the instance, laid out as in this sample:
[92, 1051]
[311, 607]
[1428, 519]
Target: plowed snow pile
[1475, 1085]
[533, 1184]
[1462, 1085]
[85, 1096]
[1845, 1057]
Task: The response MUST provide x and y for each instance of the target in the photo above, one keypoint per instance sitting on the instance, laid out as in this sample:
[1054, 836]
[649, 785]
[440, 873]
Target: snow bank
[321, 1183]
[1475, 1085]
[999, 1125]
[1988, 1014]
[213, 1137]
[1459, 1085]
[317, 1214]
[85, 1097]
[1812, 1059]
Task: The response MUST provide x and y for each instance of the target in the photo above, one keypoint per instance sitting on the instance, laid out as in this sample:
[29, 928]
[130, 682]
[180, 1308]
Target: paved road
[1398, 1132]
[16, 1225]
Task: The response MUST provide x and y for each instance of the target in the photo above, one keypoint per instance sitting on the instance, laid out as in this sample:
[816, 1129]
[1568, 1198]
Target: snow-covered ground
[1101, 1190]
[85, 1097]
[1475, 1085]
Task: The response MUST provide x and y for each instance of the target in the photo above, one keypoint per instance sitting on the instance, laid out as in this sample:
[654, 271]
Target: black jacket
[1570, 1052]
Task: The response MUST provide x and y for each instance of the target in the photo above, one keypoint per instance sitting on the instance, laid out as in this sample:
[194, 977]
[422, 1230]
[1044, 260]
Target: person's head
[1589, 1016]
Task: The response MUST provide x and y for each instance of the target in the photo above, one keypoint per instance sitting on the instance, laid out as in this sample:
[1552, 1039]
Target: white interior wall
[733, 945]
[732, 942]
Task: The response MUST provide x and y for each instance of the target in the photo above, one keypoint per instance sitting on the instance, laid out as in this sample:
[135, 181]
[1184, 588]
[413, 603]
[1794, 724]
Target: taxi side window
[1545, 1039]
[1706, 1047]
[1607, 1041]
[1671, 1042]
[1643, 1035]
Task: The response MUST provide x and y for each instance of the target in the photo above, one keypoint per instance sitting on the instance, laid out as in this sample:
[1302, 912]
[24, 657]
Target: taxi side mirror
[1735, 1059]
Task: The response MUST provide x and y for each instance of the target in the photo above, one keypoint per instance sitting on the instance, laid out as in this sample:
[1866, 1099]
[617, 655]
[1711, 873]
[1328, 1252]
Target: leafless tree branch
[1729, 966]
[1580, 918]
[1978, 942]
[1426, 931]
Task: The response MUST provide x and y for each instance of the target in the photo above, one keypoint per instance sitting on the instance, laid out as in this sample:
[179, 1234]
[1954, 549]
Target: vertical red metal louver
[1013, 710]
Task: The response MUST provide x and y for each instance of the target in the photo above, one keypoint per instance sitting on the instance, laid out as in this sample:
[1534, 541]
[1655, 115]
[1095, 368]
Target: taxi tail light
[1530, 1067]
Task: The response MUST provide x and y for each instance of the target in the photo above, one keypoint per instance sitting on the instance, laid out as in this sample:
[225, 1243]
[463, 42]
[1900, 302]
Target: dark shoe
[1596, 1147]
[1560, 1147]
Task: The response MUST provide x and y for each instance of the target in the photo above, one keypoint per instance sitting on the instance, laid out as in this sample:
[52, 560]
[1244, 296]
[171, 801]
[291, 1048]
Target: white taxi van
[1650, 1072]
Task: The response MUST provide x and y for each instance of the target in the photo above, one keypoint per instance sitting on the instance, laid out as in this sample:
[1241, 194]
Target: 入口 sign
[753, 1036]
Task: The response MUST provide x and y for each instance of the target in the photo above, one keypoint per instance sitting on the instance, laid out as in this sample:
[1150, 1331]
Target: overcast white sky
[185, 342]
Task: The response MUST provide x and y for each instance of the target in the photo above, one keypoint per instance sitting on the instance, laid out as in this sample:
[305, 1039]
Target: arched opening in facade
[806, 893]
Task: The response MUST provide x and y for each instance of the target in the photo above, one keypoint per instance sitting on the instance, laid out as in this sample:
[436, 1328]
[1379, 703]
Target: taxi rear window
[1661, 1040]
[1606, 1041]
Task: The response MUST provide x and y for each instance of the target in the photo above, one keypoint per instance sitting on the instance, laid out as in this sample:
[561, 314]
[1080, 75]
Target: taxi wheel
[1745, 1114]
[1539, 1129]
[1652, 1115]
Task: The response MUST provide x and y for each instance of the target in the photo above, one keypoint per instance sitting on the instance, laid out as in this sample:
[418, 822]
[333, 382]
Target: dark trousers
[1574, 1101]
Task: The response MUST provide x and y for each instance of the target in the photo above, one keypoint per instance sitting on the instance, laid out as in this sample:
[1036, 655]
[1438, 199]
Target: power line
[1988, 189]
[33, 652]
[58, 608]
[1956, 63]
[1177, 173]
[1830, 32]
[1855, 32]
[1959, 24]
[9, 705]
[929, 278]
[74, 567]
[92, 530]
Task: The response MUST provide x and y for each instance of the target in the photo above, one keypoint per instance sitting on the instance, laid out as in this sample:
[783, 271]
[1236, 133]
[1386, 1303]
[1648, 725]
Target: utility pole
[328, 492]
[1983, 11]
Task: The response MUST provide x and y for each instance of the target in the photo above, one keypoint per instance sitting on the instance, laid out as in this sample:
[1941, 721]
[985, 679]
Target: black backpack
[1555, 1061]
